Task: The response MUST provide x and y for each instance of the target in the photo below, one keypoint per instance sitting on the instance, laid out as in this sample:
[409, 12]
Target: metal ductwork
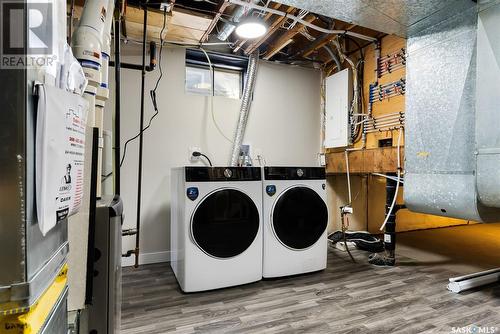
[452, 140]
[487, 106]
[228, 27]
[246, 102]
[452, 144]
[400, 19]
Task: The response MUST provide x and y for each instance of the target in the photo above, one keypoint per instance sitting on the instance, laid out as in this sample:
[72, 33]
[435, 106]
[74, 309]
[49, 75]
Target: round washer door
[299, 217]
[225, 223]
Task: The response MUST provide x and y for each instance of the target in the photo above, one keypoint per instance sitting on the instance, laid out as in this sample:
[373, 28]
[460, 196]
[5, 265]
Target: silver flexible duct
[245, 107]
[228, 27]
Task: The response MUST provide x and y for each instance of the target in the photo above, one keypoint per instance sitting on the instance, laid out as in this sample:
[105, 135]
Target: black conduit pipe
[152, 61]
[390, 226]
[117, 61]
[141, 137]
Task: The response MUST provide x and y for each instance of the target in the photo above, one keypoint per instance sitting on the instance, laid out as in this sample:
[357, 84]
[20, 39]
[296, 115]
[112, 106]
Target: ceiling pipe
[116, 110]
[228, 27]
[299, 20]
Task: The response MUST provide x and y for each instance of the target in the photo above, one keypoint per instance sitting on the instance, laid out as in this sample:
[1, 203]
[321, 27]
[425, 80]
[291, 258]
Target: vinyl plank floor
[345, 298]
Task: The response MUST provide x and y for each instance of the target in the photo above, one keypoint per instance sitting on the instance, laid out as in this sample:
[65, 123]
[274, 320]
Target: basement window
[226, 79]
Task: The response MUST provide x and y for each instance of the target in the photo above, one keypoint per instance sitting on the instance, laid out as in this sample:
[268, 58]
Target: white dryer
[295, 220]
[216, 226]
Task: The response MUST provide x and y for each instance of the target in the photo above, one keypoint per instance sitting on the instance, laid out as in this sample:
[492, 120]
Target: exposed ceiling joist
[320, 42]
[220, 10]
[284, 39]
[272, 29]
[182, 25]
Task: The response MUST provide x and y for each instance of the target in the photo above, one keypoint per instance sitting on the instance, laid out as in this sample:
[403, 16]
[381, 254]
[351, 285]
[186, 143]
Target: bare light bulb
[250, 29]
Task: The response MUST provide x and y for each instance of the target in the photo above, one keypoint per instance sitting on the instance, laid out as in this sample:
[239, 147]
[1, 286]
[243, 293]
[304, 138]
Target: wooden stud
[220, 10]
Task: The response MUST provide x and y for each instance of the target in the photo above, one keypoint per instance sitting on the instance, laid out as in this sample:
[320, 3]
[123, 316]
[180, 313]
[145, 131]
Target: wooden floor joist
[272, 29]
[220, 10]
[284, 39]
[322, 41]
[378, 160]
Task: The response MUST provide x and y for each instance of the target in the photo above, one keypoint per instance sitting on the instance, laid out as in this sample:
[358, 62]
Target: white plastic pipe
[87, 39]
[397, 183]
[103, 91]
[92, 46]
[301, 21]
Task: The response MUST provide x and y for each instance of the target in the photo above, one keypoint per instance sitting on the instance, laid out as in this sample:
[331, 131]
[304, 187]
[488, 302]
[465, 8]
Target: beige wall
[284, 125]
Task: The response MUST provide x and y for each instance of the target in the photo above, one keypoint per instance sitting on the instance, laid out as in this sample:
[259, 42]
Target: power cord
[152, 93]
[199, 154]
[212, 74]
[344, 211]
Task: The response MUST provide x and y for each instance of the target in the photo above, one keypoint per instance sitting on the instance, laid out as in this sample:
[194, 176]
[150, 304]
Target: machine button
[228, 173]
[300, 172]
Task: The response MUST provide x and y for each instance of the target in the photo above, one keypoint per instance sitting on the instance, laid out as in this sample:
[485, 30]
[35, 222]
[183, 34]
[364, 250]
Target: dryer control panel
[294, 173]
[214, 174]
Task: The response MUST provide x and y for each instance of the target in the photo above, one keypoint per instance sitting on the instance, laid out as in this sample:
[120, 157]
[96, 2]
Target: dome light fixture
[251, 28]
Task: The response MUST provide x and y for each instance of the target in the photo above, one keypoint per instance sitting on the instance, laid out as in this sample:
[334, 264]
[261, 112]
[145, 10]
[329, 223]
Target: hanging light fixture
[251, 28]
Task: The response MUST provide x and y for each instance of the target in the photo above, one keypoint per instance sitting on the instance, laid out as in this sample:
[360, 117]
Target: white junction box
[339, 94]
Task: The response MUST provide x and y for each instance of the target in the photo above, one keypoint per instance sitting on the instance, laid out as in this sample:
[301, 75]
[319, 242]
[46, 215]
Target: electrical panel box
[338, 99]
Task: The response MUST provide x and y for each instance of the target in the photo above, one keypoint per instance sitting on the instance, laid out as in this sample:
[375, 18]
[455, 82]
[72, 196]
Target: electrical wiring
[152, 92]
[181, 44]
[397, 184]
[199, 154]
[348, 177]
[389, 177]
[212, 99]
[213, 12]
[262, 160]
[356, 132]
[344, 229]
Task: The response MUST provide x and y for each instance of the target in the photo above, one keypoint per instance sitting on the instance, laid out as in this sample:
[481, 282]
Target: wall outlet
[322, 159]
[246, 149]
[165, 5]
[191, 150]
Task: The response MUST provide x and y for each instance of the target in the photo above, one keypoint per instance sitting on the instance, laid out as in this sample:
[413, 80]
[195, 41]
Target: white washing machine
[295, 220]
[216, 226]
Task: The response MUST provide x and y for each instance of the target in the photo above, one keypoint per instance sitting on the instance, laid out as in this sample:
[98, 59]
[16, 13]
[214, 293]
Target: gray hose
[333, 56]
[246, 102]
